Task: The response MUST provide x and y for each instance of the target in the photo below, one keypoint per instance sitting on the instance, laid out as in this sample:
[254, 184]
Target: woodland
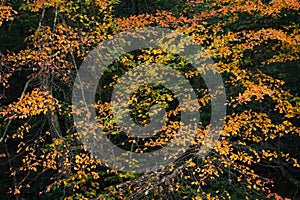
[254, 45]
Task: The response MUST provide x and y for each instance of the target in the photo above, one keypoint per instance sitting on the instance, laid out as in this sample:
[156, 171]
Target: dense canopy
[254, 45]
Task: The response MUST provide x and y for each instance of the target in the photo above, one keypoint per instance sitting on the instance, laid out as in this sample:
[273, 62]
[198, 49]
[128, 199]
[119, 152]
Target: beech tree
[250, 42]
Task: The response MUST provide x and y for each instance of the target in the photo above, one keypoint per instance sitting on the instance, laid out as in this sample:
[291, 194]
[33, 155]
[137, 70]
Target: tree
[248, 41]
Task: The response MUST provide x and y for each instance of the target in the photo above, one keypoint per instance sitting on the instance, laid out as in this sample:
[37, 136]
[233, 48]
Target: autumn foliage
[253, 44]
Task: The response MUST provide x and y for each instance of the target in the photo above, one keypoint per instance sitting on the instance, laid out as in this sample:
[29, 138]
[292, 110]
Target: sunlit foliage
[248, 41]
